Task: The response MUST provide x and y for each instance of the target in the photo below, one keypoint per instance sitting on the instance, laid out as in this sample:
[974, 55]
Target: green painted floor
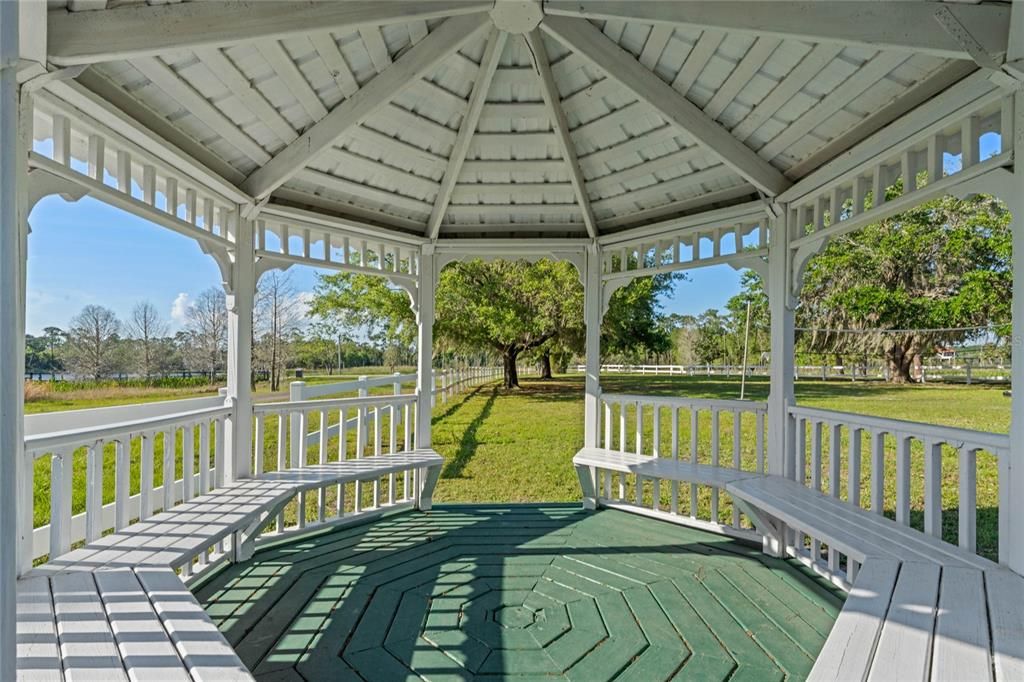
[545, 592]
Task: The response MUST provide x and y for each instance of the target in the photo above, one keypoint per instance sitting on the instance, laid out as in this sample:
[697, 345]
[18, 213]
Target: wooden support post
[592, 314]
[15, 477]
[425, 345]
[781, 395]
[240, 301]
[1012, 546]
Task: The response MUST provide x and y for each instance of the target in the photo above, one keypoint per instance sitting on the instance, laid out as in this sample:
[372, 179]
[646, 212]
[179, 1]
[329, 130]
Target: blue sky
[90, 253]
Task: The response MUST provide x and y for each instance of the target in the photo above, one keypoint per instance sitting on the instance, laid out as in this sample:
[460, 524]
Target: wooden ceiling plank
[241, 87]
[477, 98]
[581, 36]
[746, 68]
[332, 58]
[553, 100]
[292, 78]
[414, 64]
[164, 77]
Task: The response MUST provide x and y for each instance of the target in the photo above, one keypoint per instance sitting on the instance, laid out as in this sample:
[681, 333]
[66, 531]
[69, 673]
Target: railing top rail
[680, 401]
[77, 436]
[994, 442]
[316, 390]
[333, 403]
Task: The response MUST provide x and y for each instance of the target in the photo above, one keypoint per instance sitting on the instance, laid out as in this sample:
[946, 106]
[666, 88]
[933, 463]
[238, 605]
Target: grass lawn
[517, 446]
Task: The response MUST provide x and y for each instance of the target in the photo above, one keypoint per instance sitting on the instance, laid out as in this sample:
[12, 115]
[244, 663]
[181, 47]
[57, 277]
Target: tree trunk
[900, 364]
[510, 374]
[545, 366]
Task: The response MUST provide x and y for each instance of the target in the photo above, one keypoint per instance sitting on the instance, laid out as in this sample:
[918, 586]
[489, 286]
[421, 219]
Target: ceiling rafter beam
[553, 101]
[477, 98]
[908, 26]
[146, 30]
[581, 36]
[414, 64]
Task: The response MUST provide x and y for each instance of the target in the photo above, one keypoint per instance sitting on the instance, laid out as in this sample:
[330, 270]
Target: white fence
[968, 373]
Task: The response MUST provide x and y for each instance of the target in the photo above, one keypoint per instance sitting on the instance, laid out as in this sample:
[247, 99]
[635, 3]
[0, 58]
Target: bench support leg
[429, 477]
[243, 541]
[588, 484]
[772, 530]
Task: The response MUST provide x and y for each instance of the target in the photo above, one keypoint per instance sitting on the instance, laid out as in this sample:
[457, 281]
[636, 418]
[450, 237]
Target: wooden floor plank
[1003, 590]
[38, 653]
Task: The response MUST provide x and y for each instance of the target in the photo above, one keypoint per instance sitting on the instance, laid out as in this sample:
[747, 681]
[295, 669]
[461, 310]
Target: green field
[516, 446]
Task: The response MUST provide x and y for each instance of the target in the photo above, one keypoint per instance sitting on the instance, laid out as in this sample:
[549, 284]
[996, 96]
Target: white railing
[108, 467]
[727, 433]
[370, 426]
[906, 466]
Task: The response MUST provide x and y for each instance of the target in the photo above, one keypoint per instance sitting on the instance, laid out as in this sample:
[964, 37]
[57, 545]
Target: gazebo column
[780, 306]
[1014, 515]
[592, 314]
[425, 344]
[241, 296]
[781, 394]
[12, 331]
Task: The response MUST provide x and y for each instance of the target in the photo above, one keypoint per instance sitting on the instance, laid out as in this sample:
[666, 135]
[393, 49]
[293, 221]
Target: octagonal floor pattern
[520, 592]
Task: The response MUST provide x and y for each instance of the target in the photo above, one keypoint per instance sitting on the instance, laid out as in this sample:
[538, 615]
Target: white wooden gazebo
[630, 138]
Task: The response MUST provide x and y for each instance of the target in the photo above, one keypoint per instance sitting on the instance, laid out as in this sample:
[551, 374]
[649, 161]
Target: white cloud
[179, 309]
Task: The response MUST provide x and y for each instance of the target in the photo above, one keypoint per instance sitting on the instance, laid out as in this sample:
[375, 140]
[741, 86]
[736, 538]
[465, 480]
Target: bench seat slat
[202, 647]
[961, 628]
[146, 651]
[904, 648]
[38, 655]
[1005, 590]
[87, 648]
[848, 650]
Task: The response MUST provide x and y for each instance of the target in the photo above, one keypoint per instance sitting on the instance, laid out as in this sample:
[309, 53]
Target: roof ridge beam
[908, 26]
[583, 37]
[560, 123]
[352, 111]
[146, 30]
[477, 98]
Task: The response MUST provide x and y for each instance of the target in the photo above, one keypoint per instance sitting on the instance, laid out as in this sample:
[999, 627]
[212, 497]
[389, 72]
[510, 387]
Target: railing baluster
[737, 424]
[94, 490]
[675, 456]
[121, 484]
[61, 476]
[204, 458]
[694, 447]
[800, 465]
[759, 442]
[188, 458]
[622, 426]
[853, 468]
[218, 452]
[968, 496]
[168, 468]
[933, 488]
[257, 464]
[877, 471]
[282, 442]
[321, 507]
[639, 489]
[835, 456]
[714, 461]
[656, 452]
[146, 476]
[903, 479]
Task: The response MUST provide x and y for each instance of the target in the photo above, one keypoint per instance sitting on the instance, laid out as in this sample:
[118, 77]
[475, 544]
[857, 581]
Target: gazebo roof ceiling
[404, 96]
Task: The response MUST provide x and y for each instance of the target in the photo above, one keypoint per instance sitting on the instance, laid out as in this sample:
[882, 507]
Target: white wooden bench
[117, 609]
[918, 608]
